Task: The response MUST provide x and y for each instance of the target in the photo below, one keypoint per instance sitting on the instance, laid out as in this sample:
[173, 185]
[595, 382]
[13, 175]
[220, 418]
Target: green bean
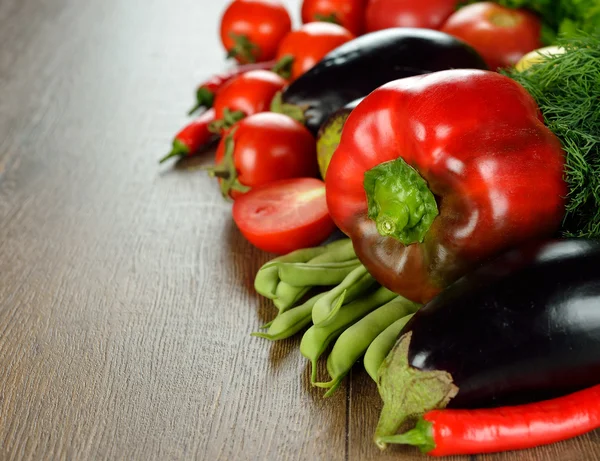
[267, 278]
[317, 338]
[353, 342]
[286, 295]
[382, 345]
[354, 285]
[290, 322]
[312, 274]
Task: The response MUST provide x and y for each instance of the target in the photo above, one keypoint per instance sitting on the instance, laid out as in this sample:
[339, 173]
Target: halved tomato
[285, 215]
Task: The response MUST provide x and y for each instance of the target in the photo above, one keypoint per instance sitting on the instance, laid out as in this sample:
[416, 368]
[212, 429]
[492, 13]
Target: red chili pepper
[206, 92]
[193, 137]
[470, 432]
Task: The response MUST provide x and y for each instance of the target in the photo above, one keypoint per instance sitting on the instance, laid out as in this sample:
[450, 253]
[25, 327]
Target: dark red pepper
[436, 173]
[193, 137]
[206, 91]
[470, 432]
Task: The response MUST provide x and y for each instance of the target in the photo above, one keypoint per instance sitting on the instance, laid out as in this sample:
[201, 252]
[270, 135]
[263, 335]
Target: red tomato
[252, 29]
[309, 44]
[428, 14]
[285, 215]
[347, 13]
[249, 93]
[501, 35]
[268, 147]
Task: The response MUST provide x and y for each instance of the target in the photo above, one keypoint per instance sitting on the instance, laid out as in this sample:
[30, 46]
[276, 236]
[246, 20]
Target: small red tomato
[285, 215]
[252, 29]
[247, 94]
[309, 44]
[264, 148]
[501, 35]
[428, 14]
[347, 13]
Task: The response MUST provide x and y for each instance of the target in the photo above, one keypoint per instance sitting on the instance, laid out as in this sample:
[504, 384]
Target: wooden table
[126, 297]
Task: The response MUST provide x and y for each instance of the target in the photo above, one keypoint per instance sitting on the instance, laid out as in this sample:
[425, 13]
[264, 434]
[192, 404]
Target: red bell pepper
[438, 172]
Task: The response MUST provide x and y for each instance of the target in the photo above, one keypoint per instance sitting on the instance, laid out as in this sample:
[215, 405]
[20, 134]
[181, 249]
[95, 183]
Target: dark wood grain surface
[126, 296]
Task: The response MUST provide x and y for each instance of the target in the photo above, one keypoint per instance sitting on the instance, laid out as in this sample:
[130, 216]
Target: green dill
[560, 18]
[567, 90]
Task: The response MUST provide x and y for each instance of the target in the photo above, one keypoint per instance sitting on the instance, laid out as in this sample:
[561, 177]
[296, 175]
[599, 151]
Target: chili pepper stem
[179, 150]
[421, 436]
[204, 98]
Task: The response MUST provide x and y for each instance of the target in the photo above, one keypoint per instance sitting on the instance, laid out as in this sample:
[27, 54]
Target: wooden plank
[126, 297]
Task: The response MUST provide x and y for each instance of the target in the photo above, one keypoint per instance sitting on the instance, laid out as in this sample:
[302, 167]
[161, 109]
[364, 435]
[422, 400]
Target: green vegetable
[316, 274]
[354, 342]
[317, 338]
[562, 18]
[356, 284]
[290, 322]
[567, 90]
[382, 345]
[284, 295]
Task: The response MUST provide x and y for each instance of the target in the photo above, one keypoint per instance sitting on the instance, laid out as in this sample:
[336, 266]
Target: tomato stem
[283, 67]
[400, 201]
[230, 118]
[243, 49]
[226, 170]
[331, 17]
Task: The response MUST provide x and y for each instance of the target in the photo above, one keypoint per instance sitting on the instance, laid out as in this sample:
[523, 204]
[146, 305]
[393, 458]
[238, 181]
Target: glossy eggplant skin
[524, 327]
[358, 67]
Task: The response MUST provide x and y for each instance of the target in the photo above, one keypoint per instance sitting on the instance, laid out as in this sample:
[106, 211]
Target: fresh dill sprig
[567, 90]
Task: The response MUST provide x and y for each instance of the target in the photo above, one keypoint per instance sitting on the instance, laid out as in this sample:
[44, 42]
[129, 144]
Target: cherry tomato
[264, 148]
[252, 29]
[428, 14]
[284, 216]
[347, 13]
[501, 35]
[309, 44]
[247, 94]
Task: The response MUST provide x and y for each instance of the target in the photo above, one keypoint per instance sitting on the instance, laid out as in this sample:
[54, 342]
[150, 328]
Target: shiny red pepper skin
[478, 141]
[207, 91]
[468, 432]
[193, 137]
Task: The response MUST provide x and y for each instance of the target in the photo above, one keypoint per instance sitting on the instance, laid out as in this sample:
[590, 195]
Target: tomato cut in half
[285, 215]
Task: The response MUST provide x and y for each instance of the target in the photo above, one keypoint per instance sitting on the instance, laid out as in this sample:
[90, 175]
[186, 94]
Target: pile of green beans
[361, 316]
